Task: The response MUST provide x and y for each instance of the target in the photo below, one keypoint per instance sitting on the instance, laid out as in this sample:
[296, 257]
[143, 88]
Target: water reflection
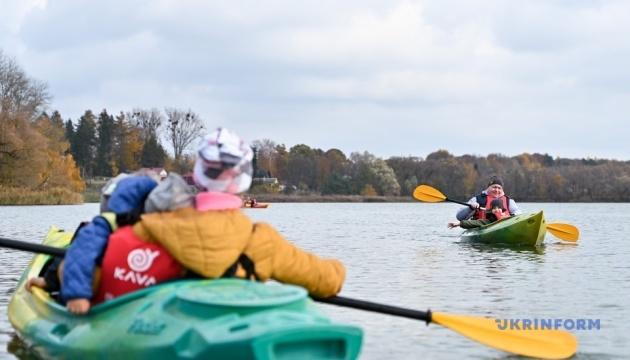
[20, 349]
[502, 248]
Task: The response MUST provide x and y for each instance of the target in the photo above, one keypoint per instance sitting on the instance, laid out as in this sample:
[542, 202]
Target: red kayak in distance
[256, 205]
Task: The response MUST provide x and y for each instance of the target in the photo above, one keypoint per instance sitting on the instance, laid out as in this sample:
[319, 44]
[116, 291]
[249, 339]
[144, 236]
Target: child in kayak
[209, 237]
[216, 239]
[496, 213]
[122, 202]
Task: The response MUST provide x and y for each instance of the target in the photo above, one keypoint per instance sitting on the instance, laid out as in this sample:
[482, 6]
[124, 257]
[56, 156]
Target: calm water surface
[403, 254]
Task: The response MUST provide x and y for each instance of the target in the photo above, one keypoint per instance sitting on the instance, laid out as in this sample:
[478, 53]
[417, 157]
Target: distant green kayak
[519, 230]
[187, 319]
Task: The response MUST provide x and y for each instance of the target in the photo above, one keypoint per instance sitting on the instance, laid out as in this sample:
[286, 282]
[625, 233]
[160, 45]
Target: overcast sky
[394, 78]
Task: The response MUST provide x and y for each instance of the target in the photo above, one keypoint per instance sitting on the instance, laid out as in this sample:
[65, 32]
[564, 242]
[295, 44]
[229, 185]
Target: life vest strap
[247, 264]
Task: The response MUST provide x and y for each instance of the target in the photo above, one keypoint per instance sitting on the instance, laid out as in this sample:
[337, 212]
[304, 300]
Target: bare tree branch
[182, 128]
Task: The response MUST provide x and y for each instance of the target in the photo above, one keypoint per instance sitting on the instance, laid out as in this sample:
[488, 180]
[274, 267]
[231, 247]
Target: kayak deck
[518, 230]
[184, 319]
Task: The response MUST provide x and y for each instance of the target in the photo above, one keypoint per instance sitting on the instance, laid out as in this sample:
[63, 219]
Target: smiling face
[495, 190]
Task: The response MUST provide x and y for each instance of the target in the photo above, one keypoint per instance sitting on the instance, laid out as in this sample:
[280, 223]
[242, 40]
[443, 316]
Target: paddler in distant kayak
[483, 200]
[495, 213]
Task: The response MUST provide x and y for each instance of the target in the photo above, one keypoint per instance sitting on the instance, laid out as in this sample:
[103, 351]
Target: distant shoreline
[19, 196]
[278, 198]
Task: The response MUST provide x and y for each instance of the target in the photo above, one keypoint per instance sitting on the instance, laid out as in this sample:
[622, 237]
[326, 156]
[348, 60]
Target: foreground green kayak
[187, 319]
[519, 230]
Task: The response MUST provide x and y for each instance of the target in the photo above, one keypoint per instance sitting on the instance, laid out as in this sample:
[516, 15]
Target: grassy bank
[62, 196]
[328, 198]
[93, 190]
[24, 196]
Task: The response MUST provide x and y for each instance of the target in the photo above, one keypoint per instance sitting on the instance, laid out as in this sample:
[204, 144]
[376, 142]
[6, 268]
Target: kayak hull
[518, 230]
[185, 319]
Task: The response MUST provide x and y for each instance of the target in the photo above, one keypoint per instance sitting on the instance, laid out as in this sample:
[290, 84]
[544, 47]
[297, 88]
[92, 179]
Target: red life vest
[132, 264]
[481, 214]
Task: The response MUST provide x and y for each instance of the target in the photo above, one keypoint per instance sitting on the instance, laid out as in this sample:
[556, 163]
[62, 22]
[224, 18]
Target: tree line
[106, 145]
[41, 151]
[527, 177]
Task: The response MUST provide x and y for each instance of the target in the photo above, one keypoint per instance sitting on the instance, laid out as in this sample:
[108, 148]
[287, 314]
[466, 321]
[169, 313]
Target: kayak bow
[185, 319]
[518, 230]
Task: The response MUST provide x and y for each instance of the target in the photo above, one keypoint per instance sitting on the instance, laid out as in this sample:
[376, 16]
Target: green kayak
[187, 319]
[519, 230]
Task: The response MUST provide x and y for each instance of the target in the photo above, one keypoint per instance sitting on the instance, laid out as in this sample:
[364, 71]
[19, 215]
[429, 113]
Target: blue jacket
[89, 245]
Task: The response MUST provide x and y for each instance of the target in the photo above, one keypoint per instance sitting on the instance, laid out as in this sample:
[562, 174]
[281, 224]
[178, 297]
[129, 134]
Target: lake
[403, 254]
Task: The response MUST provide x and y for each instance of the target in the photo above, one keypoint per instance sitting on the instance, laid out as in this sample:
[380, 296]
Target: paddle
[546, 344]
[565, 232]
[36, 248]
[430, 194]
[427, 193]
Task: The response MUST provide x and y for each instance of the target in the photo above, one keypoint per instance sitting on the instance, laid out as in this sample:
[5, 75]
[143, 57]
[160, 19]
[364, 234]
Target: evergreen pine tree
[84, 141]
[153, 154]
[103, 156]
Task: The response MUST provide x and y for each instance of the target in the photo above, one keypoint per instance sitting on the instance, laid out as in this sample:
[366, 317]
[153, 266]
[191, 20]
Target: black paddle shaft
[376, 307]
[458, 202]
[462, 203]
[335, 300]
[36, 248]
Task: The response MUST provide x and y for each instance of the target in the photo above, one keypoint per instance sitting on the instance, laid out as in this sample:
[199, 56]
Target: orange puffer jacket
[209, 242]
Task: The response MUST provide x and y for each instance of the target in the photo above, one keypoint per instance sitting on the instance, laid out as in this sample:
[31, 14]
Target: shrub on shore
[24, 196]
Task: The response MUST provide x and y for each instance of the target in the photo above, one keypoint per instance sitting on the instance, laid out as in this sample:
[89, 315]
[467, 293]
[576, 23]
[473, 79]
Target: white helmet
[224, 163]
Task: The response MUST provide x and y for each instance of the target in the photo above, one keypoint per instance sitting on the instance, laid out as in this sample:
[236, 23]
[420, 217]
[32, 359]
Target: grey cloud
[429, 74]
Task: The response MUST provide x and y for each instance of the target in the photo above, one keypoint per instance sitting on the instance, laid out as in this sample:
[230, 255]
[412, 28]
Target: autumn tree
[33, 146]
[367, 169]
[60, 169]
[22, 100]
[327, 163]
[20, 96]
[127, 145]
[265, 156]
[281, 163]
[406, 170]
[301, 162]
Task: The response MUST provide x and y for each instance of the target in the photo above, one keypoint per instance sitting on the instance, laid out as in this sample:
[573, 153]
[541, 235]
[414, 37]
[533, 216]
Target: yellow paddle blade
[545, 344]
[566, 232]
[428, 194]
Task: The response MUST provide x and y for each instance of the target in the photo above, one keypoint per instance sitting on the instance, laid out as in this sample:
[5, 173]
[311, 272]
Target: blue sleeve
[91, 241]
[466, 212]
[81, 257]
[130, 194]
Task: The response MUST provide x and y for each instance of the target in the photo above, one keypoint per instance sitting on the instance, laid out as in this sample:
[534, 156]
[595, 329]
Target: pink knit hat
[224, 163]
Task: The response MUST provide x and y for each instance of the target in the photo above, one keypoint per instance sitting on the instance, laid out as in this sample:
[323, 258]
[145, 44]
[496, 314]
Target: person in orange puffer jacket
[215, 238]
